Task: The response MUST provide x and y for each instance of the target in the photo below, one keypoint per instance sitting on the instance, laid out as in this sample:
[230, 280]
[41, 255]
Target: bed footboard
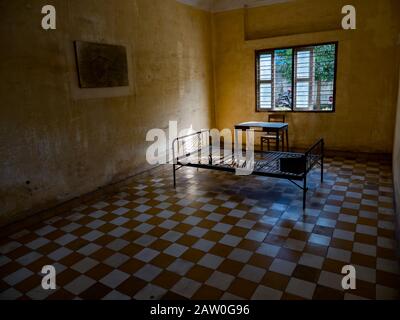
[313, 156]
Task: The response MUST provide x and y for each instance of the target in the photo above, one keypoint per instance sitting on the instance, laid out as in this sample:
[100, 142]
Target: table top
[263, 125]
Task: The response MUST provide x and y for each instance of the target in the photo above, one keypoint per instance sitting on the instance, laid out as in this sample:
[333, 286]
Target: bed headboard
[190, 144]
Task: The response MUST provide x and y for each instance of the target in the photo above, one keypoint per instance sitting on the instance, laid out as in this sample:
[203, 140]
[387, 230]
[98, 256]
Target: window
[296, 79]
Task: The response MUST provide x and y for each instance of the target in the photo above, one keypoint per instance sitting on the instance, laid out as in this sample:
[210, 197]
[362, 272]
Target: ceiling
[201, 4]
[225, 5]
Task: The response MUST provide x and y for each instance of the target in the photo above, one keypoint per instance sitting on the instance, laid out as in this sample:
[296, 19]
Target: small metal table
[275, 127]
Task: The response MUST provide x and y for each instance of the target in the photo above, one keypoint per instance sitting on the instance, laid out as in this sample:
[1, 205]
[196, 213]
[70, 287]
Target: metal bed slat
[268, 163]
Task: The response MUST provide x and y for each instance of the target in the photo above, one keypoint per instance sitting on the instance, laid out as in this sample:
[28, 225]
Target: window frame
[294, 77]
[259, 81]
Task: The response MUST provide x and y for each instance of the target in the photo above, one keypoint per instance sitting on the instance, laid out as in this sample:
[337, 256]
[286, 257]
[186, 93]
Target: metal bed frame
[196, 150]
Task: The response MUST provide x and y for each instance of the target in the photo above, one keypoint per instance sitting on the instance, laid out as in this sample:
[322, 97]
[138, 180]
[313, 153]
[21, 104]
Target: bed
[198, 151]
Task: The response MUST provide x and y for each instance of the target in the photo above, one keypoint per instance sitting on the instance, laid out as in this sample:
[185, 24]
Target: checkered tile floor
[217, 236]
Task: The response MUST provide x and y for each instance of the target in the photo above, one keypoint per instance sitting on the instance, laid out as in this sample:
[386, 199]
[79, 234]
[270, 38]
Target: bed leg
[322, 160]
[322, 169]
[174, 166]
[305, 193]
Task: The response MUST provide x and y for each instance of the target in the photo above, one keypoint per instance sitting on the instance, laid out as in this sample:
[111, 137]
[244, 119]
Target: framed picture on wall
[101, 65]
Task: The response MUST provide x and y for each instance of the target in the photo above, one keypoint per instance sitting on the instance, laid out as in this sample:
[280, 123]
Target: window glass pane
[283, 66]
[303, 95]
[323, 95]
[265, 95]
[324, 77]
[266, 66]
[307, 72]
[303, 64]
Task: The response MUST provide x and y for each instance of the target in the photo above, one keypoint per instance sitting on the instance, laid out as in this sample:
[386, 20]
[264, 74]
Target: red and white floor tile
[217, 236]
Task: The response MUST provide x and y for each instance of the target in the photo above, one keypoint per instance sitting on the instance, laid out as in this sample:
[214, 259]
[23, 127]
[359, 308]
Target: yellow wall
[367, 68]
[67, 141]
[396, 164]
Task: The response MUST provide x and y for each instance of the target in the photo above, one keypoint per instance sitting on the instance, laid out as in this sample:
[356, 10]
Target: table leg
[277, 140]
[287, 139]
[235, 143]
